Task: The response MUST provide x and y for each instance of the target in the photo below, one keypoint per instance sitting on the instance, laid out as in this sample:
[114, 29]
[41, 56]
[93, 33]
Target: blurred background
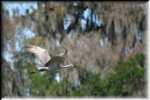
[105, 41]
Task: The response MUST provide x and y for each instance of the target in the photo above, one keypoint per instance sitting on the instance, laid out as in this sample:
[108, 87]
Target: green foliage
[127, 76]
[124, 81]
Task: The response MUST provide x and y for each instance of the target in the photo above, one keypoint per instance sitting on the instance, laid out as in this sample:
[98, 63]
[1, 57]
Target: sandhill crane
[45, 60]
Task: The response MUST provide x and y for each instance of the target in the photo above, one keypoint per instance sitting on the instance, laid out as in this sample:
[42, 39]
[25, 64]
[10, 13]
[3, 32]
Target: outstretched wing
[41, 54]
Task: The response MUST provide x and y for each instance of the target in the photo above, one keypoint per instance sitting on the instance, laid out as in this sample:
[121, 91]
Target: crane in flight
[45, 60]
